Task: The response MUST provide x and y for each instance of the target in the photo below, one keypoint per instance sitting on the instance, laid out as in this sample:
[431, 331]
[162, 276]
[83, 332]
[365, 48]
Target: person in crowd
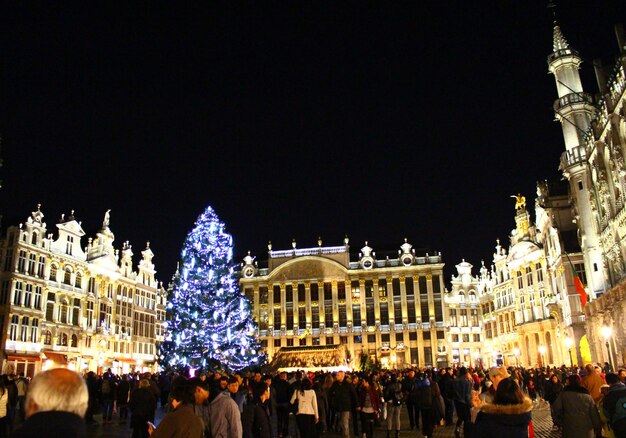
[92, 388]
[355, 381]
[201, 402]
[393, 397]
[225, 418]
[307, 414]
[461, 394]
[530, 382]
[22, 387]
[613, 405]
[553, 388]
[322, 406]
[107, 395]
[142, 405]
[56, 403]
[164, 383]
[283, 395]
[342, 398]
[593, 381]
[330, 413]
[444, 379]
[408, 388]
[576, 411]
[181, 421]
[4, 400]
[12, 402]
[369, 405]
[424, 402]
[122, 397]
[621, 374]
[496, 375]
[271, 401]
[239, 397]
[508, 415]
[256, 415]
[439, 408]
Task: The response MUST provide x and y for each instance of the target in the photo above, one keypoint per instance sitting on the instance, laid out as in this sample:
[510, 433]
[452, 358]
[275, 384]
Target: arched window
[462, 297]
[472, 296]
[40, 266]
[47, 337]
[79, 280]
[67, 278]
[63, 340]
[74, 341]
[53, 272]
[33, 239]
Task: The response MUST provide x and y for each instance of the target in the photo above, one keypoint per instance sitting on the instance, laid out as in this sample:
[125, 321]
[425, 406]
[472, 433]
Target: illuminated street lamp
[606, 334]
[569, 342]
[516, 352]
[542, 351]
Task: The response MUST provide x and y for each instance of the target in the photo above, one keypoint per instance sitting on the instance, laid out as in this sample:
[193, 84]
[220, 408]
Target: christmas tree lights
[209, 321]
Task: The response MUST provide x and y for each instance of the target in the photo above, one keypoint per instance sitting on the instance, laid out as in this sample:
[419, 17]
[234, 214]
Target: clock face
[248, 272]
[367, 264]
[407, 261]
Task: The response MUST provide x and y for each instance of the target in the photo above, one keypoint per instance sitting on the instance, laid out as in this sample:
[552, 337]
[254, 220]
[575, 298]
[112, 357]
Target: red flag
[580, 289]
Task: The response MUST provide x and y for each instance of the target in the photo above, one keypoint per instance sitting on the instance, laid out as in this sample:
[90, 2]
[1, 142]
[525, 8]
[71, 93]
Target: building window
[37, 300]
[277, 318]
[276, 343]
[356, 314]
[276, 294]
[399, 337]
[476, 337]
[289, 293]
[63, 340]
[91, 286]
[520, 280]
[28, 295]
[580, 268]
[453, 321]
[384, 314]
[315, 294]
[539, 272]
[466, 337]
[21, 262]
[356, 291]
[395, 285]
[15, 321]
[74, 341]
[40, 267]
[17, 293]
[24, 329]
[301, 293]
[63, 313]
[382, 288]
[301, 318]
[455, 337]
[371, 339]
[32, 264]
[33, 330]
[79, 280]
[53, 272]
[76, 312]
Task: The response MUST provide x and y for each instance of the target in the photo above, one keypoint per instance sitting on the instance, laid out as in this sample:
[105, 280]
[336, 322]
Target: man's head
[201, 390]
[183, 393]
[267, 379]
[261, 391]
[233, 385]
[496, 374]
[339, 376]
[223, 383]
[257, 377]
[622, 375]
[283, 375]
[410, 374]
[57, 390]
[612, 379]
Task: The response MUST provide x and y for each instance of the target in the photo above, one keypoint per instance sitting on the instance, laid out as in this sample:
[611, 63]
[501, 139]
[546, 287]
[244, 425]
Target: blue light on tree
[209, 320]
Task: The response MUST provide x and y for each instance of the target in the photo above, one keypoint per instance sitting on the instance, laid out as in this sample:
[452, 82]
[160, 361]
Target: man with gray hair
[55, 405]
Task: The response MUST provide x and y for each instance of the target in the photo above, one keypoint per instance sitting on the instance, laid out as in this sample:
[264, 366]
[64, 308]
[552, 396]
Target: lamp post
[516, 352]
[569, 342]
[606, 334]
[542, 351]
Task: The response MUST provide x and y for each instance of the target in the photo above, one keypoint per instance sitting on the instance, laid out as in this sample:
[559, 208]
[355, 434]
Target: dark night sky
[292, 119]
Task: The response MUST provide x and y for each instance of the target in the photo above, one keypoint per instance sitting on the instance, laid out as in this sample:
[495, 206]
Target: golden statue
[520, 201]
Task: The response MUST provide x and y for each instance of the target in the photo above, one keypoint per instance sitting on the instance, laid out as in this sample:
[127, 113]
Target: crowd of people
[589, 402]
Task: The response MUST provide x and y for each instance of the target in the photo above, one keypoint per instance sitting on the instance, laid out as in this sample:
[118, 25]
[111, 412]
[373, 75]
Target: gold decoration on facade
[520, 201]
[429, 277]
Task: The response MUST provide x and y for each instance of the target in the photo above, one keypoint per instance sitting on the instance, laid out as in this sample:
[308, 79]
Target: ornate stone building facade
[391, 309]
[594, 130]
[87, 309]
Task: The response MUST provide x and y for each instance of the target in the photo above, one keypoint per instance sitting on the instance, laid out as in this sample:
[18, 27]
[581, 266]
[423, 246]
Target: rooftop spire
[558, 40]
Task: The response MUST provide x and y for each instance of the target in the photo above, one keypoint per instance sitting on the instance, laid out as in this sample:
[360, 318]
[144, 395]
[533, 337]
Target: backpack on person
[106, 387]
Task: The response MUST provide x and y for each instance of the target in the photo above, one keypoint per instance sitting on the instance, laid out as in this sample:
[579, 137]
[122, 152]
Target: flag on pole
[580, 289]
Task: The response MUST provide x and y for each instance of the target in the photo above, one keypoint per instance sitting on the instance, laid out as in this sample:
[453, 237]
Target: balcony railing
[572, 98]
[573, 157]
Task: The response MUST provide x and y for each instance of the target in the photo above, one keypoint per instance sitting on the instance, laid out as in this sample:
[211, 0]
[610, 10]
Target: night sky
[292, 119]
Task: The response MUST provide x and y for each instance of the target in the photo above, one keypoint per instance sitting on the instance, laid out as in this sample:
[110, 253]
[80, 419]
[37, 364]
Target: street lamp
[569, 342]
[542, 351]
[606, 334]
[516, 352]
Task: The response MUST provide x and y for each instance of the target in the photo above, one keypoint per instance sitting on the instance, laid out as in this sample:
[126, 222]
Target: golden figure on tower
[520, 201]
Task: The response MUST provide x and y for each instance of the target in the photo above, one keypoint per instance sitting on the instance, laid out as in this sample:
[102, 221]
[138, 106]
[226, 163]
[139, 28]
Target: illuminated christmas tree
[209, 320]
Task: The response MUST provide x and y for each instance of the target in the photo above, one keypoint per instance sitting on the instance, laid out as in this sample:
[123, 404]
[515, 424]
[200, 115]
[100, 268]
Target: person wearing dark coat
[369, 406]
[576, 411]
[92, 388]
[283, 394]
[552, 389]
[508, 416]
[55, 406]
[122, 396]
[181, 422]
[342, 398]
[142, 406]
[256, 421]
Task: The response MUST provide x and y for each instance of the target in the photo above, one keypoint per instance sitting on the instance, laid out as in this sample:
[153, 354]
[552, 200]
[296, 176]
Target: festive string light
[209, 320]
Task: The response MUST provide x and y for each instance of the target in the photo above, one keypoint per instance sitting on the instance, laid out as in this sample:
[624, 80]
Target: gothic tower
[574, 109]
